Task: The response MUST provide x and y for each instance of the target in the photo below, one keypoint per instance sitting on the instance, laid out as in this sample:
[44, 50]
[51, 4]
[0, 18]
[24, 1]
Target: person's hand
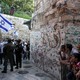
[60, 60]
[59, 52]
[78, 74]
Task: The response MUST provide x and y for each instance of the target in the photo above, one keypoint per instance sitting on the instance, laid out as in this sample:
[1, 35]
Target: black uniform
[18, 52]
[8, 55]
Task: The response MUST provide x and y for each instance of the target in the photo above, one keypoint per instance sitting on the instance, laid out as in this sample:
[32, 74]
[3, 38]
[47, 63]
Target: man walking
[8, 55]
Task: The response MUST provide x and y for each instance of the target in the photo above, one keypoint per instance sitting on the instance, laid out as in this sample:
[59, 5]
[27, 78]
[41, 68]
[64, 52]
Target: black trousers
[28, 55]
[1, 58]
[71, 76]
[18, 60]
[6, 59]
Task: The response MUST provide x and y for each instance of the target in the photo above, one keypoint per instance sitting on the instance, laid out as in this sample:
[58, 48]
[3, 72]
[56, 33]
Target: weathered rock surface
[60, 23]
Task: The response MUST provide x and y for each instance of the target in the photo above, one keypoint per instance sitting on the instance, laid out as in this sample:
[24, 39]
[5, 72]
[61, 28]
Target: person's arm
[64, 62]
[60, 55]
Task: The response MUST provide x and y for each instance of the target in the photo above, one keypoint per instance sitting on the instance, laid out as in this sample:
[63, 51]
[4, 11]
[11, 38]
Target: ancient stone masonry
[22, 30]
[58, 21]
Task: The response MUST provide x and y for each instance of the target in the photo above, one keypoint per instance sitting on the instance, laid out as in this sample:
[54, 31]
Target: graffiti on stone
[44, 47]
[73, 35]
[51, 37]
[35, 41]
[57, 35]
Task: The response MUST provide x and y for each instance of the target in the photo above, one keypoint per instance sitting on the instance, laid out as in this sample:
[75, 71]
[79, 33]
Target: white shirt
[74, 50]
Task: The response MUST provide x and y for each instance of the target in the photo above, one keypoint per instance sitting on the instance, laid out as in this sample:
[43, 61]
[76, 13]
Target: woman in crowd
[63, 58]
[73, 57]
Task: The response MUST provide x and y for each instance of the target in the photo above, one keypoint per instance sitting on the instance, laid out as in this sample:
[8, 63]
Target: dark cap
[19, 40]
[9, 40]
[76, 55]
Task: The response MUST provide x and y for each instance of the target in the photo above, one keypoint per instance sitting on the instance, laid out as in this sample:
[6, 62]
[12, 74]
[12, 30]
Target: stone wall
[22, 30]
[58, 21]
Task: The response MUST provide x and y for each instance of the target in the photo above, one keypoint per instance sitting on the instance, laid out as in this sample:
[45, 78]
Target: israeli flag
[5, 24]
[15, 33]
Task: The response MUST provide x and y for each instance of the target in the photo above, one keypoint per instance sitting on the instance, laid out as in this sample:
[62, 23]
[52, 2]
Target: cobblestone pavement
[27, 72]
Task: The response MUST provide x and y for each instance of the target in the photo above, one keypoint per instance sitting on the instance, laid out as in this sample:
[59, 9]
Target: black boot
[4, 71]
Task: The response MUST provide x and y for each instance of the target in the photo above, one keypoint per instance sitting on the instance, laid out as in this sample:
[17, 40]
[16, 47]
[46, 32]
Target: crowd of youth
[12, 52]
[70, 62]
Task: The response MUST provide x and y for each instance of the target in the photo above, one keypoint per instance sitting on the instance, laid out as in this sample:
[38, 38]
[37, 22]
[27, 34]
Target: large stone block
[60, 2]
[58, 22]
[52, 11]
[77, 18]
[73, 4]
[67, 18]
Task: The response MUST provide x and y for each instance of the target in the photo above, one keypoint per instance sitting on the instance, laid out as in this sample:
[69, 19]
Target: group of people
[13, 52]
[70, 62]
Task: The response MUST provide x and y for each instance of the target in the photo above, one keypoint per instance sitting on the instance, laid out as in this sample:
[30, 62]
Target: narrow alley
[47, 33]
[27, 72]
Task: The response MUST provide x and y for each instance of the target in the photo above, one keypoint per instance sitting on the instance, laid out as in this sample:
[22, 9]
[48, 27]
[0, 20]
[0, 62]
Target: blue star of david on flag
[5, 24]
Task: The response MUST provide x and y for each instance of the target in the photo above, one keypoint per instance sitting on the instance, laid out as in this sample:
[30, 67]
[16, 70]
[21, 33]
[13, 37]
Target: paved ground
[27, 72]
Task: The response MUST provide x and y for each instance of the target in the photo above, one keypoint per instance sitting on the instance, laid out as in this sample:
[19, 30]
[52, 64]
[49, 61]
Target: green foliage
[25, 7]
[5, 8]
[8, 2]
[22, 15]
